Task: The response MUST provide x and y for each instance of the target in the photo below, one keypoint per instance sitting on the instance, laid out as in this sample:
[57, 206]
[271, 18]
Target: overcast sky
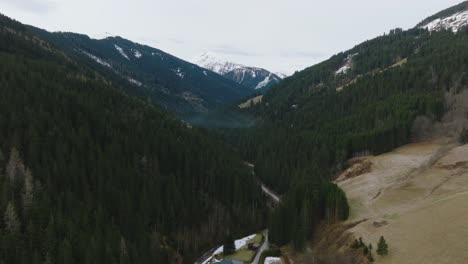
[279, 35]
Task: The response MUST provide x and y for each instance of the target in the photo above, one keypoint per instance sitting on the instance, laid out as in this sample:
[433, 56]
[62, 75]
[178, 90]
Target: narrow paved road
[264, 247]
[270, 193]
[273, 196]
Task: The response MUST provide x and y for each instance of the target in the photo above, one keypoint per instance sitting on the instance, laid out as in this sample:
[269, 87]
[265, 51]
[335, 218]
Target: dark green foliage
[115, 179]
[365, 250]
[464, 136]
[229, 246]
[382, 247]
[308, 202]
[355, 244]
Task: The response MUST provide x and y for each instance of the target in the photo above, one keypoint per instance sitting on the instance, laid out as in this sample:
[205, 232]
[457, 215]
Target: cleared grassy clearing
[244, 254]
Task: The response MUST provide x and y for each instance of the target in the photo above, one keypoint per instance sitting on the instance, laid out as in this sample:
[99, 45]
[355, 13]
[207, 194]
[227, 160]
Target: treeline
[113, 179]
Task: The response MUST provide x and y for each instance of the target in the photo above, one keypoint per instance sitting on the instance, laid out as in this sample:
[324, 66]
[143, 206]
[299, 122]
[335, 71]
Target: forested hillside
[172, 83]
[362, 101]
[91, 175]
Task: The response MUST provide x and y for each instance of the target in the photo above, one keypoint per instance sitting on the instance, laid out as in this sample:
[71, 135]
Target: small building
[253, 246]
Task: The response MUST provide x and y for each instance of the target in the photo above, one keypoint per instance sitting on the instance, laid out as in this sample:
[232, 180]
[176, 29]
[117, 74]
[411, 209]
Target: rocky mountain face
[252, 77]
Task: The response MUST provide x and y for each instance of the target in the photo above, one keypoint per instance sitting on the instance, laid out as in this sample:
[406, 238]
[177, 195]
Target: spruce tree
[382, 247]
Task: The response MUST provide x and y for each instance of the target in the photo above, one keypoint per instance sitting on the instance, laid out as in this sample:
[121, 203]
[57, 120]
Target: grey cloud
[303, 54]
[229, 50]
[176, 41]
[33, 6]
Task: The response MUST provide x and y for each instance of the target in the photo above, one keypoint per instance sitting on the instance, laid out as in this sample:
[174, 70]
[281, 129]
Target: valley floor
[417, 198]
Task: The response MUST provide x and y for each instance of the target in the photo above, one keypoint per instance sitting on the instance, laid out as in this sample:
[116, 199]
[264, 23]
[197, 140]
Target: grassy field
[244, 254]
[419, 192]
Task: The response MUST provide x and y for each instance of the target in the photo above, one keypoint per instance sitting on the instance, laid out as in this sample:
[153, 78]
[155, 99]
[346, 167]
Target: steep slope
[359, 102]
[452, 18]
[251, 77]
[91, 175]
[175, 84]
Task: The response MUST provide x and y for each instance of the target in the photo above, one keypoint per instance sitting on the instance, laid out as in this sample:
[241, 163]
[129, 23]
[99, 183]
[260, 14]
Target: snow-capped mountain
[251, 77]
[453, 19]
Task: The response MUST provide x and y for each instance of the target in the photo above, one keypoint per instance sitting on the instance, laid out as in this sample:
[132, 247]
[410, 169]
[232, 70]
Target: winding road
[276, 199]
[264, 247]
[271, 194]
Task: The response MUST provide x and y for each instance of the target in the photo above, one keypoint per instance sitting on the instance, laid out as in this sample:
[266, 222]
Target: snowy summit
[251, 77]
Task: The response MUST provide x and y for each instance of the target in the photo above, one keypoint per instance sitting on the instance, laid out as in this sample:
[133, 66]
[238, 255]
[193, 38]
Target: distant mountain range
[174, 84]
[251, 77]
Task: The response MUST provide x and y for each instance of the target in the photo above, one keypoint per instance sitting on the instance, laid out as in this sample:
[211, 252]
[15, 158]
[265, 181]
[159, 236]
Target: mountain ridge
[176, 85]
[453, 18]
[254, 78]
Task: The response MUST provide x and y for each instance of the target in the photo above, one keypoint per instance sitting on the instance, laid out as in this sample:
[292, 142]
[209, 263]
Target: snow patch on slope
[137, 54]
[96, 59]
[179, 73]
[239, 243]
[121, 51]
[453, 22]
[133, 81]
[347, 65]
[265, 82]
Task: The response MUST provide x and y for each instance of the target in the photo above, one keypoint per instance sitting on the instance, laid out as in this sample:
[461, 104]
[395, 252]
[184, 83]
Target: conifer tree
[355, 244]
[382, 247]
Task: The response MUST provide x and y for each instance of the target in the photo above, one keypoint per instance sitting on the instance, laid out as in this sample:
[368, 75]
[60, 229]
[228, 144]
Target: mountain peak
[214, 62]
[251, 77]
